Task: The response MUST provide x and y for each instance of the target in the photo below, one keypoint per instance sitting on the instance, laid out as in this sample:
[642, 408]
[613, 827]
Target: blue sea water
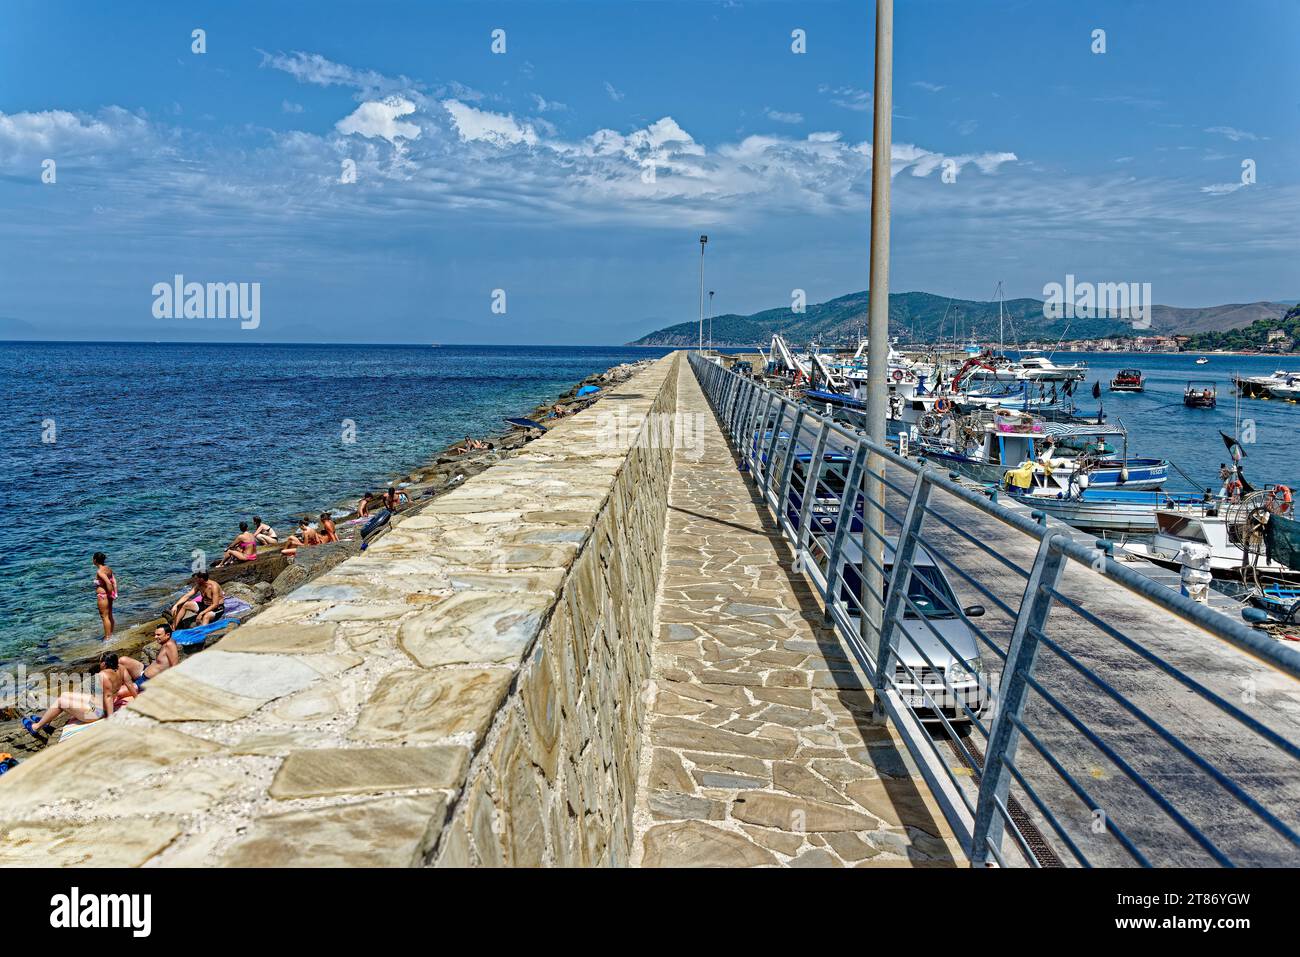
[1161, 426]
[160, 449]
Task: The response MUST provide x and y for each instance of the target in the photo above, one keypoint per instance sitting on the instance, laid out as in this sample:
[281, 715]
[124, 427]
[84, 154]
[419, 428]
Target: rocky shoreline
[263, 582]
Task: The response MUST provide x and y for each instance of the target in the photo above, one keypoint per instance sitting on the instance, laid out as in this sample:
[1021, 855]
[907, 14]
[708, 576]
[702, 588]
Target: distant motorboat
[1202, 361]
[1201, 395]
[1128, 380]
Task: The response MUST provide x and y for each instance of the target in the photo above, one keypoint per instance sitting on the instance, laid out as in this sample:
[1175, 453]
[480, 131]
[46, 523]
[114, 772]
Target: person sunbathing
[242, 549]
[363, 506]
[205, 602]
[263, 533]
[169, 656]
[305, 537]
[103, 698]
[328, 532]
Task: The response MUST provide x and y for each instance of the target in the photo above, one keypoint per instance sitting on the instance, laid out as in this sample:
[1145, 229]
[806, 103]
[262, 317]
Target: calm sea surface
[161, 449]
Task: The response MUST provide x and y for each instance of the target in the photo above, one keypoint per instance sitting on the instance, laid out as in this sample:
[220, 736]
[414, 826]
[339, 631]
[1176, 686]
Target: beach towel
[196, 636]
[76, 727]
[236, 606]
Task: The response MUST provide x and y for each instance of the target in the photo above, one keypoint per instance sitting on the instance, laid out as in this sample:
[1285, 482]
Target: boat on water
[1235, 537]
[1128, 380]
[1201, 395]
[1202, 361]
[986, 455]
[1280, 385]
[1112, 510]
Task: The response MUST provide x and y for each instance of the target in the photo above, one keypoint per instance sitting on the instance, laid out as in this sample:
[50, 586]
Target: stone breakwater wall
[470, 691]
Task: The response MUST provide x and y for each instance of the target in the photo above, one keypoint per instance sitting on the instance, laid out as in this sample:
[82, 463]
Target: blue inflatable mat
[194, 636]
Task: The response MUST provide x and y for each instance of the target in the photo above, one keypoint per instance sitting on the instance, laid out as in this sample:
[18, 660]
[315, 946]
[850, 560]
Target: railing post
[811, 478]
[769, 456]
[848, 503]
[1013, 690]
[904, 552]
[787, 467]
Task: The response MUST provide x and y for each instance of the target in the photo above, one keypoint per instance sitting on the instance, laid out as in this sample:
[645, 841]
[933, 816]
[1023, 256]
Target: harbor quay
[615, 648]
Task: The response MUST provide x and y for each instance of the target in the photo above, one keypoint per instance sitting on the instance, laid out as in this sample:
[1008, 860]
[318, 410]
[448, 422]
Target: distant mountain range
[924, 317]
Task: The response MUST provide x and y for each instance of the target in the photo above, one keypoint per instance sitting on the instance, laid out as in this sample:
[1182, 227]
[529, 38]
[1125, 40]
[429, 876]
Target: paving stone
[122, 842]
[175, 696]
[83, 767]
[898, 802]
[797, 815]
[285, 639]
[474, 628]
[328, 771]
[414, 707]
[697, 844]
[382, 832]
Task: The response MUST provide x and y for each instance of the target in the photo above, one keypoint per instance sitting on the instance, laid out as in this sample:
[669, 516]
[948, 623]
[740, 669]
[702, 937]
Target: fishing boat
[1114, 510]
[1235, 537]
[1128, 380]
[1280, 601]
[986, 455]
[1201, 395]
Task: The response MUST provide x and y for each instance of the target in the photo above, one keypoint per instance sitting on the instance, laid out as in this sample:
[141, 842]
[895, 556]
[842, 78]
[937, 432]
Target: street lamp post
[703, 240]
[873, 525]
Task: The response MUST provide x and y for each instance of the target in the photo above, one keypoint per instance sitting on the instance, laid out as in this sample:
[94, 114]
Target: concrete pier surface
[759, 747]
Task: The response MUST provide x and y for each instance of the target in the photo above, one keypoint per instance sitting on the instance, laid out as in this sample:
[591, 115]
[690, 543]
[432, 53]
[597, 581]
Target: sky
[403, 172]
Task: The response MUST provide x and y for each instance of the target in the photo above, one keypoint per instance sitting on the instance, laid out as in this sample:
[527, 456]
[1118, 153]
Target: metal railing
[1010, 762]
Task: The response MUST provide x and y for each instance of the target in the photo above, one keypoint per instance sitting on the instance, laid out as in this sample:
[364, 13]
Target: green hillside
[913, 316]
[1254, 336]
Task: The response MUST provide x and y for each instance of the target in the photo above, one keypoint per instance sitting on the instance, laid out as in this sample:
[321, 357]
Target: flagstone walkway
[760, 748]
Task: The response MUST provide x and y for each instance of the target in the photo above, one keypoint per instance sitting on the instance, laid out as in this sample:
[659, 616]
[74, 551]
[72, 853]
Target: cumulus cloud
[380, 118]
[61, 131]
[500, 129]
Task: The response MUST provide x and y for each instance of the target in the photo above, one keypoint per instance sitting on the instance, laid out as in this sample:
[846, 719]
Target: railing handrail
[756, 419]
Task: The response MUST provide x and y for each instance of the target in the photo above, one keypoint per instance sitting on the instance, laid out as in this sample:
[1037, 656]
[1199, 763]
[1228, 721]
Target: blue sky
[526, 171]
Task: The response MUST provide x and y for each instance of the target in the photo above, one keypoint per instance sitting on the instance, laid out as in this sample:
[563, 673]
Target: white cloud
[781, 117]
[614, 94]
[848, 97]
[499, 129]
[1231, 133]
[289, 107]
[928, 87]
[547, 106]
[380, 119]
[1220, 189]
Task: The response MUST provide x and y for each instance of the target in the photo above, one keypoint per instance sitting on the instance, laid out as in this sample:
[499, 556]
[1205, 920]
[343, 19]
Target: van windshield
[930, 591]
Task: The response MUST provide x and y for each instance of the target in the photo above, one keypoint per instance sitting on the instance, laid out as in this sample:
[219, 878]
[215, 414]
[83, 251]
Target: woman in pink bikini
[242, 549]
[105, 592]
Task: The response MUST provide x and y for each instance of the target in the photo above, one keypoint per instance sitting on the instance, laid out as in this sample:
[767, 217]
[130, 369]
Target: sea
[149, 451]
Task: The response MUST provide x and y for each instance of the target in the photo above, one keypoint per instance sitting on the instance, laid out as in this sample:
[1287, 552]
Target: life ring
[1283, 493]
[943, 405]
[898, 375]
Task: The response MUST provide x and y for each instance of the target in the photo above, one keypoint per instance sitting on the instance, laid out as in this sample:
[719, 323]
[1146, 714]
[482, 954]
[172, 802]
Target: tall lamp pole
[703, 240]
[878, 329]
